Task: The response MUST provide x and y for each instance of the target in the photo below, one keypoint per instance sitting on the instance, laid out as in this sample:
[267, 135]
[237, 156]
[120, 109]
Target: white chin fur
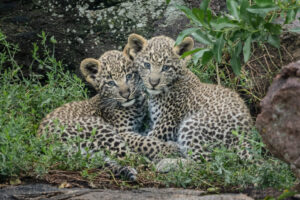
[154, 92]
[129, 103]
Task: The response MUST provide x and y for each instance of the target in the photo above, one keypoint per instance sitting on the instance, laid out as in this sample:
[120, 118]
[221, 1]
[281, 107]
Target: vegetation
[24, 101]
[242, 49]
[233, 33]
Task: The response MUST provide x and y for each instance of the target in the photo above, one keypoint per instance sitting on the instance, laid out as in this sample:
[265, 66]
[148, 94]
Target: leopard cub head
[114, 77]
[158, 60]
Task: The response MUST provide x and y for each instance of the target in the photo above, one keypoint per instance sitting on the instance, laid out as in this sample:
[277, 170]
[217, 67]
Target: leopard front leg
[151, 147]
[127, 172]
[115, 145]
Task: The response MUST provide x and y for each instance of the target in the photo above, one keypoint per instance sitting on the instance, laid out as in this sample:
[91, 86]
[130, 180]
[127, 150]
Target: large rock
[162, 194]
[86, 28]
[44, 191]
[279, 120]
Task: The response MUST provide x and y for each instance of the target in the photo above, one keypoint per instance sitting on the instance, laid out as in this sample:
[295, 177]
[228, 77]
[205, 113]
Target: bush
[232, 34]
[241, 48]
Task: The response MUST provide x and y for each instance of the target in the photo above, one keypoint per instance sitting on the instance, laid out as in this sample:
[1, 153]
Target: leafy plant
[234, 33]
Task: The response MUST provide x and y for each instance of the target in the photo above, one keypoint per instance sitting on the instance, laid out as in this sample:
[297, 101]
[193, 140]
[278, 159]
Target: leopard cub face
[157, 59]
[114, 77]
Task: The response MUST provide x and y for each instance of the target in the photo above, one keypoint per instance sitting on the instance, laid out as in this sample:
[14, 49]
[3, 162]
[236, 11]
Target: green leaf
[290, 16]
[168, 1]
[199, 14]
[53, 40]
[247, 48]
[243, 10]
[207, 56]
[238, 48]
[264, 3]
[222, 23]
[236, 36]
[258, 10]
[235, 64]
[203, 13]
[204, 5]
[232, 7]
[208, 16]
[218, 47]
[201, 37]
[185, 54]
[273, 28]
[203, 16]
[235, 58]
[188, 12]
[198, 55]
[295, 30]
[274, 40]
[184, 33]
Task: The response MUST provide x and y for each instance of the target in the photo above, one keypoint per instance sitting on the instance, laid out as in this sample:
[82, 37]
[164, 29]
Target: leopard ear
[89, 68]
[136, 44]
[186, 45]
[127, 53]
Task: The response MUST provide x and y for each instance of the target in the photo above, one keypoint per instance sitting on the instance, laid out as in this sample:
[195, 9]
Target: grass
[24, 101]
[226, 172]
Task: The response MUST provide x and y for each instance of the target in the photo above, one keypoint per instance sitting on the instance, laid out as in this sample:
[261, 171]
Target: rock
[217, 6]
[296, 54]
[44, 191]
[279, 120]
[161, 194]
[7, 6]
[86, 28]
[39, 191]
[294, 24]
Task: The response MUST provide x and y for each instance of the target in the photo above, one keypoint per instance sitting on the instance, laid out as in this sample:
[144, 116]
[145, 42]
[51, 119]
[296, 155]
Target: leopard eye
[128, 76]
[111, 83]
[165, 68]
[147, 65]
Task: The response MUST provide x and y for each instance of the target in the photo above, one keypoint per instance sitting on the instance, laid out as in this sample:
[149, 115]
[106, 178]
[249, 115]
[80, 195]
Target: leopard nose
[125, 93]
[154, 81]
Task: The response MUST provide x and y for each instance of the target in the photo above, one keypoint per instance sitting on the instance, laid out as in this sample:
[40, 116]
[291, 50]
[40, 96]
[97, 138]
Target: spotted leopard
[198, 116]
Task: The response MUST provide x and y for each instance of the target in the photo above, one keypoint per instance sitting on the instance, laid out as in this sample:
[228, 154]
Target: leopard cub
[198, 116]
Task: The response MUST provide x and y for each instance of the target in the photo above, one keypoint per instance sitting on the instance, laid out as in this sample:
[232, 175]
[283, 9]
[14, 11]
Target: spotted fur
[198, 116]
[111, 119]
